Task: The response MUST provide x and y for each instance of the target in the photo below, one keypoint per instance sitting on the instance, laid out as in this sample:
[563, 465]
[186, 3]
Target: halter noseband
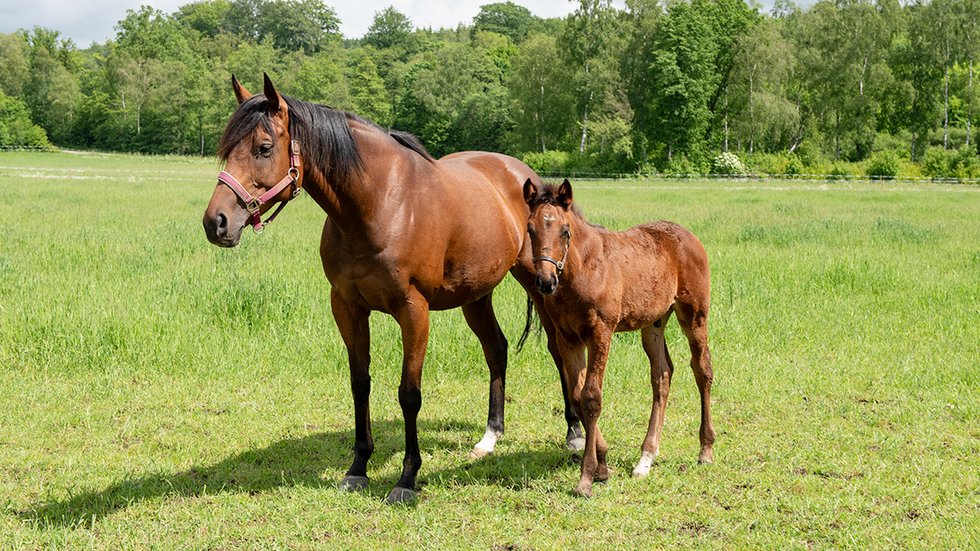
[254, 204]
[559, 264]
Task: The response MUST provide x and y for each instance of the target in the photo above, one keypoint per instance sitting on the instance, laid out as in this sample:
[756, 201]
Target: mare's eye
[265, 149]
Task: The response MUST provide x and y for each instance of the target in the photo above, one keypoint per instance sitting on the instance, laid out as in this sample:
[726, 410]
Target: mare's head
[549, 227]
[255, 147]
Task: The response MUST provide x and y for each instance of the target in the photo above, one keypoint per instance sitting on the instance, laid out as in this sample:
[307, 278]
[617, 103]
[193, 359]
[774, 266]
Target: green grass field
[158, 391]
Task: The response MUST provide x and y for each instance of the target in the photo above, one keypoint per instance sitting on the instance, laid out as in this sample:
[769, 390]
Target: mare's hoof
[352, 483]
[479, 453]
[576, 444]
[400, 496]
[640, 472]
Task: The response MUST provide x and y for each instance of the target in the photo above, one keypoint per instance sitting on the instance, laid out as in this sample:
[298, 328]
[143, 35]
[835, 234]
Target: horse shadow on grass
[301, 461]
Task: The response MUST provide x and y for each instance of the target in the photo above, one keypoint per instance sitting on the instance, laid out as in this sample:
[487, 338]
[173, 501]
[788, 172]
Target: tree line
[660, 86]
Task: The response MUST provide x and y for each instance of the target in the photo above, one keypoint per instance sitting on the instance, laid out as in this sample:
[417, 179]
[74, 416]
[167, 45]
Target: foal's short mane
[325, 139]
[548, 195]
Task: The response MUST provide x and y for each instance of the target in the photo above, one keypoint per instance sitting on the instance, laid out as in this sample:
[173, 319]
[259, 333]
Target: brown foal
[596, 282]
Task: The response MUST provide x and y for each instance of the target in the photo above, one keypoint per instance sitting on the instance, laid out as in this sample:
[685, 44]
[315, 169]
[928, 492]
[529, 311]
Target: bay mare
[405, 234]
[596, 282]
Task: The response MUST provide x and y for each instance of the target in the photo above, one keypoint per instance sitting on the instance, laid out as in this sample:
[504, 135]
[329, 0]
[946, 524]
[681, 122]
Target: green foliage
[794, 166]
[291, 25]
[548, 162]
[505, 18]
[15, 68]
[960, 163]
[839, 172]
[16, 128]
[727, 163]
[884, 165]
[619, 89]
[680, 165]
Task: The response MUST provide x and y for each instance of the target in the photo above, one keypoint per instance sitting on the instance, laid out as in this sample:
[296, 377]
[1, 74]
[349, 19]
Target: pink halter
[254, 204]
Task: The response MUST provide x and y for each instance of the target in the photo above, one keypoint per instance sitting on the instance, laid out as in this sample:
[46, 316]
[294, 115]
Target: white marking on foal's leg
[643, 467]
[485, 446]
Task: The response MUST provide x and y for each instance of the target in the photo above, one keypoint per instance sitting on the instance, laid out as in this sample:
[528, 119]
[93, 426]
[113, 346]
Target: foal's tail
[527, 324]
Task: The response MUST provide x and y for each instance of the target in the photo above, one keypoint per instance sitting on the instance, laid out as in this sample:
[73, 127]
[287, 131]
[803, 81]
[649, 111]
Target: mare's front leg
[482, 321]
[352, 322]
[573, 435]
[574, 440]
[594, 457]
[413, 318]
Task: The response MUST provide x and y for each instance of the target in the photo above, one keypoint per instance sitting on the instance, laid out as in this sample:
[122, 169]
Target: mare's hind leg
[661, 370]
[694, 322]
[354, 329]
[482, 321]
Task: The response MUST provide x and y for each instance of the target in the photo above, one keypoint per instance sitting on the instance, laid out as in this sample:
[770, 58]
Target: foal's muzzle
[546, 285]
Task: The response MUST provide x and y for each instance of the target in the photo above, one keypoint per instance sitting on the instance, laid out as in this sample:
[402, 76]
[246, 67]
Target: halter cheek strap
[254, 204]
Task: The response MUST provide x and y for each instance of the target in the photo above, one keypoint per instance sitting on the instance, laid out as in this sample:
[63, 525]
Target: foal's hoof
[575, 444]
[351, 483]
[401, 496]
[641, 471]
[603, 473]
[706, 457]
[584, 490]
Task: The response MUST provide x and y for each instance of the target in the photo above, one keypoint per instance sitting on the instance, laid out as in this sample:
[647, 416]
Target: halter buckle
[253, 206]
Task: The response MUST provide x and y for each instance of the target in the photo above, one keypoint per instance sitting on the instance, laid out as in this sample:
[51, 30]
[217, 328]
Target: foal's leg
[694, 322]
[354, 329]
[661, 369]
[594, 455]
[481, 319]
[413, 318]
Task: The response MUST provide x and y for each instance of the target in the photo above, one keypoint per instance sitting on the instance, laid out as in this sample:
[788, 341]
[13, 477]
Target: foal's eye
[566, 233]
[530, 230]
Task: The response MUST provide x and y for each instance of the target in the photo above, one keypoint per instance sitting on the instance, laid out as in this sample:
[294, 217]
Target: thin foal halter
[254, 204]
[559, 264]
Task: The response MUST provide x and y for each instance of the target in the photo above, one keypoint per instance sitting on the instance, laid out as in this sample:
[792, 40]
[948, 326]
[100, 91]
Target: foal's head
[549, 227]
[256, 149]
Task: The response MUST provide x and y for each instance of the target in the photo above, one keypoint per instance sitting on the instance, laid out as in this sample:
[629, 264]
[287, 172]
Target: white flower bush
[727, 163]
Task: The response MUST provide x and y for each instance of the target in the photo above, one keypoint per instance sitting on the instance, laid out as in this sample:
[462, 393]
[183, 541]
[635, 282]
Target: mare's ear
[276, 103]
[530, 191]
[565, 194]
[240, 92]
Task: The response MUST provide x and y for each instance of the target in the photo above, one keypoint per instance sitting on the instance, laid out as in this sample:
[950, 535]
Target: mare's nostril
[222, 227]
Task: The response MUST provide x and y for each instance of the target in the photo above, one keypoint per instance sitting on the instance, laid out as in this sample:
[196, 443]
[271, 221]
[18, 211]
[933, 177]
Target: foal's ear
[240, 92]
[276, 102]
[530, 191]
[565, 194]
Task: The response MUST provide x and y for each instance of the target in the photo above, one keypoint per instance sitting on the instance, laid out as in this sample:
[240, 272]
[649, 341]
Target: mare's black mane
[325, 138]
